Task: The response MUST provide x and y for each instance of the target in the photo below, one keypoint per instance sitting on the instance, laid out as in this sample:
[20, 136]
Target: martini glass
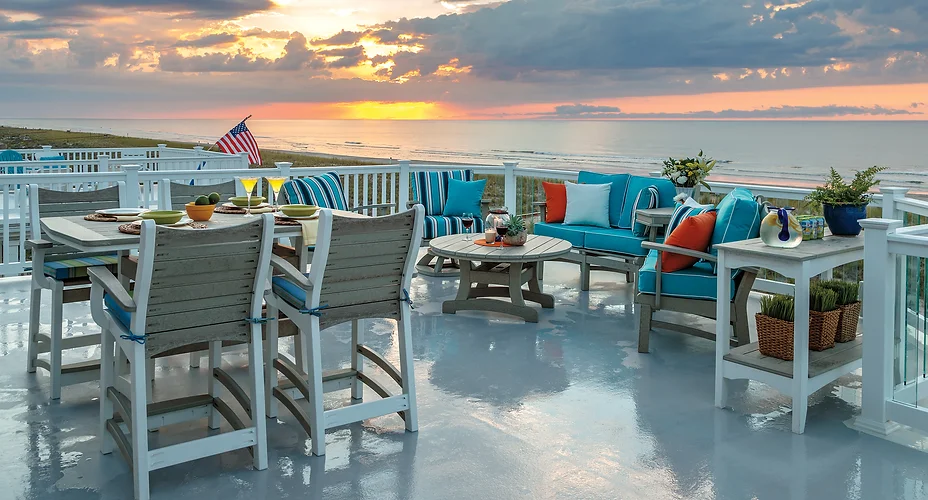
[275, 183]
[249, 184]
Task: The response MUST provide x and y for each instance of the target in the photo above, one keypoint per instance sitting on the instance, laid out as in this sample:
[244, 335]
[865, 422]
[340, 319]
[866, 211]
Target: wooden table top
[657, 215]
[807, 250]
[536, 248]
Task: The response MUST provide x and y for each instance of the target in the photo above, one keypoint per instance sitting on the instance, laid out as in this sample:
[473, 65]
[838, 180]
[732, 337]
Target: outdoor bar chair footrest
[80, 367]
[235, 389]
[122, 441]
[380, 361]
[295, 410]
[174, 405]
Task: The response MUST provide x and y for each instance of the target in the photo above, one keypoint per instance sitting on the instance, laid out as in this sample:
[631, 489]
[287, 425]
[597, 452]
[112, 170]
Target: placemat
[229, 210]
[137, 229]
[286, 222]
[100, 218]
[483, 242]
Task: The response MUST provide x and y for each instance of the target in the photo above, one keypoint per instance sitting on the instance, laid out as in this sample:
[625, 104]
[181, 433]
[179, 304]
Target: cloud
[348, 56]
[917, 104]
[341, 38]
[583, 109]
[207, 41]
[782, 112]
[186, 9]
[296, 56]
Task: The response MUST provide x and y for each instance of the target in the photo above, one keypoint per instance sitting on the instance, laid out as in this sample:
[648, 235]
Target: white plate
[310, 217]
[129, 212]
[233, 205]
[180, 223]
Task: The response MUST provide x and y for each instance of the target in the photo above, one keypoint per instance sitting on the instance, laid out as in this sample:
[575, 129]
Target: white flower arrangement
[688, 172]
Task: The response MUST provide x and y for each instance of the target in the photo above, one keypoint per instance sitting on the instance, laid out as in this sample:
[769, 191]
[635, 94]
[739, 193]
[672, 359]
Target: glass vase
[780, 228]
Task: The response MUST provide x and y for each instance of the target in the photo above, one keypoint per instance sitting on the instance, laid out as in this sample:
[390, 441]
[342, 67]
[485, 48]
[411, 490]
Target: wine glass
[275, 183]
[467, 220]
[501, 228]
[249, 184]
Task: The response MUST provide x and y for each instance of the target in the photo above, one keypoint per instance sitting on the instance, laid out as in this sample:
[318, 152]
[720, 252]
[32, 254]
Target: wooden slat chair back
[361, 269]
[62, 270]
[175, 195]
[192, 286]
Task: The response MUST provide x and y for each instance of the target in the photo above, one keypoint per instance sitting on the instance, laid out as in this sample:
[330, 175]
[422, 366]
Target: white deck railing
[80, 161]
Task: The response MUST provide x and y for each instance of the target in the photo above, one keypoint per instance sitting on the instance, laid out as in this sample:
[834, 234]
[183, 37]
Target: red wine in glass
[467, 221]
[502, 230]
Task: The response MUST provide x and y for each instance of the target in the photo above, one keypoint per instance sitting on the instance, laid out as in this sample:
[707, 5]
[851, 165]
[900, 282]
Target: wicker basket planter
[847, 326]
[775, 336]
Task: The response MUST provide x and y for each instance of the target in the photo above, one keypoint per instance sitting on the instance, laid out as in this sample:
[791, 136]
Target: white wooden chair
[361, 269]
[63, 271]
[174, 195]
[191, 287]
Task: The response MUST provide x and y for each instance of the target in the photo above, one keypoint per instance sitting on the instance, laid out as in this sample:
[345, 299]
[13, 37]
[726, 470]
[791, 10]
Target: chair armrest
[542, 209]
[412, 203]
[369, 207]
[39, 244]
[539, 203]
[100, 276]
[661, 247]
[288, 271]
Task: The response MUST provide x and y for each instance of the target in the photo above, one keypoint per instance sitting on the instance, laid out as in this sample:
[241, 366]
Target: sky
[465, 59]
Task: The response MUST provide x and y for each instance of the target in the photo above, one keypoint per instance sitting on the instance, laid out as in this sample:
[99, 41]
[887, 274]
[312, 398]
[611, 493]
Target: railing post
[243, 157]
[284, 167]
[103, 162]
[891, 195]
[46, 150]
[879, 317]
[403, 197]
[132, 184]
[891, 210]
[509, 186]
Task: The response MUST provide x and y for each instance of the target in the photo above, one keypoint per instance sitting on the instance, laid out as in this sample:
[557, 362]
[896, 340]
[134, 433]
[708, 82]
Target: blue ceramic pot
[842, 219]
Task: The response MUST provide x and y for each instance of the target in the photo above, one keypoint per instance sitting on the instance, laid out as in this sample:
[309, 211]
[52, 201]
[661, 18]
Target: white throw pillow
[587, 204]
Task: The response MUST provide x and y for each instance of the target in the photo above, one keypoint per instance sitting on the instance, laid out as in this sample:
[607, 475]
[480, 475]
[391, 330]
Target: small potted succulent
[201, 208]
[846, 203]
[516, 233]
[687, 174]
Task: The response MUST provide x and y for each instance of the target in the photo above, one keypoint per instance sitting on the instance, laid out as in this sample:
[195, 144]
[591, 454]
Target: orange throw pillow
[556, 199]
[694, 233]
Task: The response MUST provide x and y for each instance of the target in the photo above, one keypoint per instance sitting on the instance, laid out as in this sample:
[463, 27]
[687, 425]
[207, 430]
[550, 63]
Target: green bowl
[242, 201]
[299, 210]
[163, 216]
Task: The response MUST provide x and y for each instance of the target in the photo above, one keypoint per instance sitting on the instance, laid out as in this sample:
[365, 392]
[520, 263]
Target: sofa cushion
[614, 240]
[646, 198]
[684, 211]
[573, 234]
[77, 268]
[323, 190]
[587, 204]
[665, 191]
[464, 197]
[738, 218]
[440, 225]
[555, 201]
[617, 193]
[694, 233]
[697, 282]
[431, 188]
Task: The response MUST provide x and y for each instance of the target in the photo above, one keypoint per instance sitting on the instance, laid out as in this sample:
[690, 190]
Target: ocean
[790, 153]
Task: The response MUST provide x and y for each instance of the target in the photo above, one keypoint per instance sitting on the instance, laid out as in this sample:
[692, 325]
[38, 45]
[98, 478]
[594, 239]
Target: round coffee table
[499, 271]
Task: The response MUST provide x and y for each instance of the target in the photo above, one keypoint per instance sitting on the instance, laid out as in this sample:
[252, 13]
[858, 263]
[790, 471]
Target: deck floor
[565, 408]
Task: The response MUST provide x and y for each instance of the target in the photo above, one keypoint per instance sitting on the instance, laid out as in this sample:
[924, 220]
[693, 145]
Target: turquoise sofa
[615, 248]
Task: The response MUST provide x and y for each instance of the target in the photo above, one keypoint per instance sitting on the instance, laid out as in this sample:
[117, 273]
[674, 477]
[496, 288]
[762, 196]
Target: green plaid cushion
[77, 268]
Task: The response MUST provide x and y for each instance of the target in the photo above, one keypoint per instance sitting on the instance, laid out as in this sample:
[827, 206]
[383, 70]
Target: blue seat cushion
[440, 225]
[118, 312]
[665, 189]
[614, 240]
[431, 188]
[573, 234]
[320, 190]
[77, 268]
[739, 217]
[616, 194]
[292, 293]
[697, 282]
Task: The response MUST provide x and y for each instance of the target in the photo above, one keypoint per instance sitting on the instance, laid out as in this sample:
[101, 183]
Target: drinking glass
[501, 228]
[275, 183]
[249, 184]
[467, 220]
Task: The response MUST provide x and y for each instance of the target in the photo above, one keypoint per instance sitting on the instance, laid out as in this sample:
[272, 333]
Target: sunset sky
[465, 59]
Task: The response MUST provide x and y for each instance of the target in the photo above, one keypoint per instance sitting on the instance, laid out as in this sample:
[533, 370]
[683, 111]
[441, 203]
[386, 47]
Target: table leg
[515, 284]
[722, 333]
[801, 352]
[472, 298]
[534, 292]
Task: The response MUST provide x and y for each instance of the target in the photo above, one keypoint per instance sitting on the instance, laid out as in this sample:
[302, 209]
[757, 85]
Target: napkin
[262, 210]
[310, 229]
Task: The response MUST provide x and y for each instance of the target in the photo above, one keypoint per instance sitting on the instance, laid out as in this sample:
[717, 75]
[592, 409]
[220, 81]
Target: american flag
[240, 140]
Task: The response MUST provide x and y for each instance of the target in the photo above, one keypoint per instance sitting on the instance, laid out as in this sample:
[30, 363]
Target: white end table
[809, 371]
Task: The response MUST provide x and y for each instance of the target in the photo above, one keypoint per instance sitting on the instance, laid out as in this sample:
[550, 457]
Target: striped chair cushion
[77, 268]
[321, 190]
[647, 198]
[431, 188]
[439, 225]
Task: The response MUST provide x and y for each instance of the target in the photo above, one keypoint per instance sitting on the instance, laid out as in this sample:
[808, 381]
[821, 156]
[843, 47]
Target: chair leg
[139, 424]
[644, 327]
[316, 411]
[195, 359]
[406, 368]
[256, 370]
[54, 352]
[215, 361]
[107, 368]
[35, 307]
[357, 361]
[584, 276]
[270, 354]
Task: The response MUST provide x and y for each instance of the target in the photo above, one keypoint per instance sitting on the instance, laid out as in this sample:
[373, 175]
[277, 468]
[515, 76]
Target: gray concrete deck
[565, 408]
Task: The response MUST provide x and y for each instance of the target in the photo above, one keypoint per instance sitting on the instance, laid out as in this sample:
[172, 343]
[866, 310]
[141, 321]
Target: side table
[654, 218]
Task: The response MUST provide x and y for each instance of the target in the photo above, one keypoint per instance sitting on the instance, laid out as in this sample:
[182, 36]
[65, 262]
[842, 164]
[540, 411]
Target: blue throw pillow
[587, 204]
[617, 192]
[647, 198]
[635, 184]
[738, 219]
[463, 197]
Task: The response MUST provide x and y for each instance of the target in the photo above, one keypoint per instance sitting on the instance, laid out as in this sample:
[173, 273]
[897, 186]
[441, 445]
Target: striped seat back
[202, 284]
[321, 190]
[367, 266]
[181, 193]
[431, 188]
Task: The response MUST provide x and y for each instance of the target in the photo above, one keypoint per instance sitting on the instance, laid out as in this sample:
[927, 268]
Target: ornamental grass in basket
[775, 322]
[848, 293]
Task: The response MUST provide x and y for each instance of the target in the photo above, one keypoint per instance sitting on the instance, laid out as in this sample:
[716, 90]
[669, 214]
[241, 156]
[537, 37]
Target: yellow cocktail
[275, 183]
[249, 184]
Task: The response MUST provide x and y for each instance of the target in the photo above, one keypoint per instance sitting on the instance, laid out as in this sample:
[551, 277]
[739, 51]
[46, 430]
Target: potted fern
[849, 305]
[776, 319]
[846, 203]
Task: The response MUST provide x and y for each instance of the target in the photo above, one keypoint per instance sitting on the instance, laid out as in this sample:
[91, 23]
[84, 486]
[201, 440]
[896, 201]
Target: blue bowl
[842, 219]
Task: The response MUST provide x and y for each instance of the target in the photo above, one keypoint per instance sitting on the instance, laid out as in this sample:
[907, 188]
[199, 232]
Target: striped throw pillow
[647, 198]
[682, 212]
[431, 188]
[321, 190]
